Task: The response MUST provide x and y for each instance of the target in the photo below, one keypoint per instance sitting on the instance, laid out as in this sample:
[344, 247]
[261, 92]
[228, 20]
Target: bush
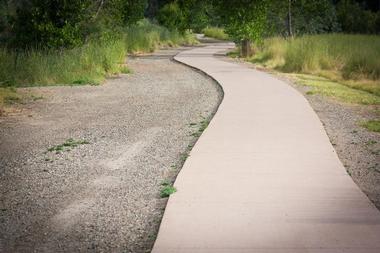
[53, 24]
[171, 16]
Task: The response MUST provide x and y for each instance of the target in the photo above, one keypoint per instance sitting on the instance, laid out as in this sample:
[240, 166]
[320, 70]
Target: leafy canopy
[244, 19]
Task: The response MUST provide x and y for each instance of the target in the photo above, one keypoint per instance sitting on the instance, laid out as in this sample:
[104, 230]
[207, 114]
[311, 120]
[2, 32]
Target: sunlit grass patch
[215, 32]
[326, 87]
[351, 60]
[372, 125]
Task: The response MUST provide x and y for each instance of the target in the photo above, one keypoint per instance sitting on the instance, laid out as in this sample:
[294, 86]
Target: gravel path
[100, 196]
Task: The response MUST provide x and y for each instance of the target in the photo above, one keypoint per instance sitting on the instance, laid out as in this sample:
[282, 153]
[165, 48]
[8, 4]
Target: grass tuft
[372, 125]
[215, 32]
[167, 190]
[67, 145]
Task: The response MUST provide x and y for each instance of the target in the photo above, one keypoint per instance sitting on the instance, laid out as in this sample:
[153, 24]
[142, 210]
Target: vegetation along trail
[82, 168]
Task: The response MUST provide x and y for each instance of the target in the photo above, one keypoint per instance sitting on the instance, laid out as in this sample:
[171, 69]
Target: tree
[355, 19]
[63, 23]
[307, 17]
[244, 20]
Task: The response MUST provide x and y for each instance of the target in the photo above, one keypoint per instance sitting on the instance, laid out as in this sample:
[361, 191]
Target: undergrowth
[89, 64]
[352, 60]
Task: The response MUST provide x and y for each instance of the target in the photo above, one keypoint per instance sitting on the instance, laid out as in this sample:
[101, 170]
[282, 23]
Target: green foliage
[372, 125]
[88, 64]
[215, 32]
[314, 16]
[351, 60]
[146, 37]
[308, 17]
[201, 15]
[244, 20]
[171, 16]
[167, 190]
[67, 145]
[337, 90]
[354, 19]
[47, 23]
[132, 10]
[64, 23]
[355, 56]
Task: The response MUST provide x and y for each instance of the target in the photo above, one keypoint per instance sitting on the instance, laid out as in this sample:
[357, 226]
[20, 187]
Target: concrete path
[264, 177]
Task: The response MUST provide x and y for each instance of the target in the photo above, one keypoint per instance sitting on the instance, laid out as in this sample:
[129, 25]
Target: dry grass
[351, 60]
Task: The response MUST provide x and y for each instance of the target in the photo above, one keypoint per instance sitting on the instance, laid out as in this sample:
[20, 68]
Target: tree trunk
[246, 49]
[290, 32]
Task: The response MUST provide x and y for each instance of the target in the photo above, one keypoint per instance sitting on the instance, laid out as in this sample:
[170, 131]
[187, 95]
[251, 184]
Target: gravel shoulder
[101, 195]
[357, 148]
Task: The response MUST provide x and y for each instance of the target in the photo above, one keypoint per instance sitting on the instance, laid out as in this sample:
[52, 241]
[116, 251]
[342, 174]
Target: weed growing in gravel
[371, 142]
[167, 190]
[201, 127]
[183, 157]
[166, 182]
[372, 125]
[67, 145]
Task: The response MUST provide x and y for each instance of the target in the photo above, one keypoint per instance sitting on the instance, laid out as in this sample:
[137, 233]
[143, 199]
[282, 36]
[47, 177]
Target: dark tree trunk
[290, 32]
[246, 49]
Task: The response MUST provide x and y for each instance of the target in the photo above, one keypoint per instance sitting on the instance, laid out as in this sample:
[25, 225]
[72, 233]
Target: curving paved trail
[264, 177]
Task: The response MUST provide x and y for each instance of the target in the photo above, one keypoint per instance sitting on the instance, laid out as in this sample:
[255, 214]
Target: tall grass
[147, 37]
[89, 64]
[355, 59]
[215, 32]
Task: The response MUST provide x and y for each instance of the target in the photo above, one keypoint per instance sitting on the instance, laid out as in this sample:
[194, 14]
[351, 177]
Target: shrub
[171, 16]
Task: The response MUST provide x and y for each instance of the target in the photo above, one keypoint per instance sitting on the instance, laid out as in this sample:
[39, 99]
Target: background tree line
[63, 23]
[69, 23]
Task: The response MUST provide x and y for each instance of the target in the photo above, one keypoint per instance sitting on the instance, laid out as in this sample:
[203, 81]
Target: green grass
[346, 67]
[203, 124]
[89, 64]
[8, 96]
[147, 37]
[352, 60]
[372, 125]
[215, 32]
[67, 145]
[326, 87]
[167, 190]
